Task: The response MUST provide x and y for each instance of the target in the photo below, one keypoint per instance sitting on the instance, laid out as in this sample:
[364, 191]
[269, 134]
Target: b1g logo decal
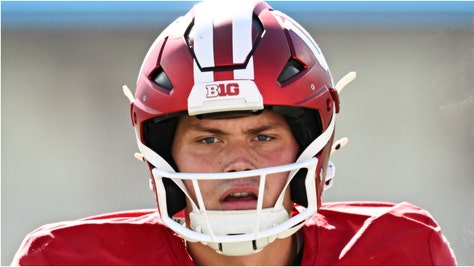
[222, 89]
[221, 96]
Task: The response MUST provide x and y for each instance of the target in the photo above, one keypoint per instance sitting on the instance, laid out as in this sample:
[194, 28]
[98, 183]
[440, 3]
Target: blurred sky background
[67, 141]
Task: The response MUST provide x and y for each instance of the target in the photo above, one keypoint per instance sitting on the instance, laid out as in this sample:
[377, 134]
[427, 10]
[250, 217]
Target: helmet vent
[291, 69]
[160, 78]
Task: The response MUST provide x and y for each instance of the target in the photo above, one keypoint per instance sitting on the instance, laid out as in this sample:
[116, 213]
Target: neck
[278, 253]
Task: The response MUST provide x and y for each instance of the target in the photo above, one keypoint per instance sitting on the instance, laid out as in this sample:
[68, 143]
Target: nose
[238, 156]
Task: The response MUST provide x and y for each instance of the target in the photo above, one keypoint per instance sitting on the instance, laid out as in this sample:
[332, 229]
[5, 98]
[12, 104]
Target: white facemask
[239, 232]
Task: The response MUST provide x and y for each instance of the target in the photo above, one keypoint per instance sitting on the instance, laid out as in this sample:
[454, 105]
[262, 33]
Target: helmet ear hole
[298, 188]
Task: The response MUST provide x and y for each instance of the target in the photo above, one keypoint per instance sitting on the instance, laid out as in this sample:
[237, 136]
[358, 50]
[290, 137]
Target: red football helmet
[238, 56]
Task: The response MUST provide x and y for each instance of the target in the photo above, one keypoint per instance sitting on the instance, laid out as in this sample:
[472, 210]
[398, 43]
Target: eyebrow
[200, 128]
[255, 130]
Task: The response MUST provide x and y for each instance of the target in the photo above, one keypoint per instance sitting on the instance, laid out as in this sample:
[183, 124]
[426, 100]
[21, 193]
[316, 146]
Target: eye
[263, 138]
[208, 140]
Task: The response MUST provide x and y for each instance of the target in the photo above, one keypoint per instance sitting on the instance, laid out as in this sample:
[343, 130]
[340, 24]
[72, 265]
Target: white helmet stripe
[242, 40]
[245, 74]
[242, 31]
[201, 77]
[204, 35]
[203, 44]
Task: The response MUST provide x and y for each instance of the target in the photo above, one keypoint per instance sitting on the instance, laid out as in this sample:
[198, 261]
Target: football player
[234, 114]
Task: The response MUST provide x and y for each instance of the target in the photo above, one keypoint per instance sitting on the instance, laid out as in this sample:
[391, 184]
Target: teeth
[240, 194]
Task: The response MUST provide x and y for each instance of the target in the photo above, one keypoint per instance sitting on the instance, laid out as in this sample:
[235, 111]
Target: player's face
[237, 144]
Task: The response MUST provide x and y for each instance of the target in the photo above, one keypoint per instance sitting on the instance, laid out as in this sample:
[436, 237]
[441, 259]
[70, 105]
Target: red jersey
[341, 233]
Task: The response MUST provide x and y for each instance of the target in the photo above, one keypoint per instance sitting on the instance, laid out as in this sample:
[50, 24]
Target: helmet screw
[144, 98]
[312, 87]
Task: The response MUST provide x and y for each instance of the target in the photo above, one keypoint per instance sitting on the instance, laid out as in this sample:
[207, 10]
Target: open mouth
[240, 196]
[240, 201]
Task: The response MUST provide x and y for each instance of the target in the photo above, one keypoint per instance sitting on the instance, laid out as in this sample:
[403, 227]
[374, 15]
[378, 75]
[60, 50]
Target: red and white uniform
[342, 233]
